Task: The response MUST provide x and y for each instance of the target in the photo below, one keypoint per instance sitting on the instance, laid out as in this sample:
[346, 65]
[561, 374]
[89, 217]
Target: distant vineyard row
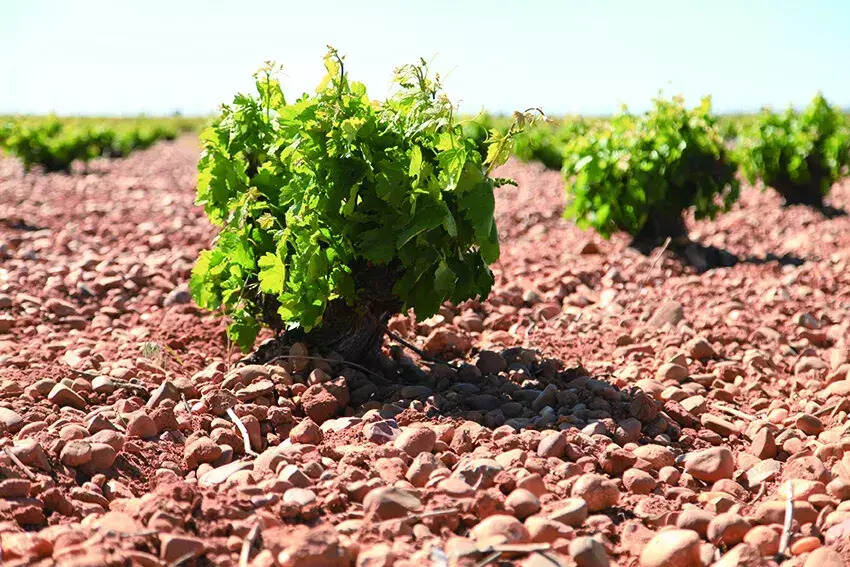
[638, 173]
[55, 143]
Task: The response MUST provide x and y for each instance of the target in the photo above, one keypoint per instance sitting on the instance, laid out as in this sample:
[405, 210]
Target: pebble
[599, 492]
[307, 432]
[76, 453]
[299, 496]
[319, 403]
[809, 424]
[824, 557]
[695, 519]
[670, 371]
[522, 503]
[178, 546]
[141, 425]
[500, 529]
[201, 450]
[14, 488]
[672, 548]
[668, 313]
[710, 465]
[552, 444]
[763, 445]
[719, 425]
[62, 395]
[588, 552]
[220, 474]
[11, 419]
[637, 481]
[657, 456]
[386, 503]
[103, 456]
[727, 529]
[763, 538]
[380, 432]
[805, 545]
[572, 512]
[544, 530]
[415, 440]
[700, 349]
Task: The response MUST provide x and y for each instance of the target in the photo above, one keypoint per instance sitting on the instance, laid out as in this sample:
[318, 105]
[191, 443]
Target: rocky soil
[601, 408]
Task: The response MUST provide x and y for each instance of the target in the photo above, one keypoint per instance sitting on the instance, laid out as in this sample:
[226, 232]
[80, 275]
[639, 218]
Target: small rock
[824, 557]
[319, 402]
[670, 371]
[588, 552]
[380, 432]
[672, 548]
[669, 312]
[763, 538]
[700, 349]
[141, 425]
[805, 545]
[637, 481]
[719, 425]
[75, 453]
[202, 450]
[710, 465]
[490, 362]
[499, 529]
[572, 512]
[809, 424]
[552, 444]
[727, 529]
[386, 503]
[299, 497]
[62, 395]
[165, 391]
[695, 519]
[177, 546]
[415, 440]
[522, 503]
[657, 456]
[11, 419]
[599, 492]
[222, 473]
[764, 444]
[306, 432]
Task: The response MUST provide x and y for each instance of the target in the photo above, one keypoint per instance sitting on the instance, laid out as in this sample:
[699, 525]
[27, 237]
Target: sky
[579, 57]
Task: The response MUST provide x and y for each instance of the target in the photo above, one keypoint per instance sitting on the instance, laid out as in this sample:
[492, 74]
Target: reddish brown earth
[602, 407]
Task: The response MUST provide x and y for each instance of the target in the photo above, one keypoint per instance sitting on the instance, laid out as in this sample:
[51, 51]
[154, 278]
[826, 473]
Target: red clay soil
[601, 408]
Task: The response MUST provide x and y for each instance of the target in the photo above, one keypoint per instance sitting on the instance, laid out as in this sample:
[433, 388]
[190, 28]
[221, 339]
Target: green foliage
[55, 143]
[800, 155]
[546, 141]
[307, 191]
[633, 168]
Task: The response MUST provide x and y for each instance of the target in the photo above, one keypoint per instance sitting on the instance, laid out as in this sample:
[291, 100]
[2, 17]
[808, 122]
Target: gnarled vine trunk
[354, 332]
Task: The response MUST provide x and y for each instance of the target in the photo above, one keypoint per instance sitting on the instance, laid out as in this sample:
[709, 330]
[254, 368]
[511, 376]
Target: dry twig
[246, 440]
[23, 467]
[789, 520]
[245, 554]
[736, 413]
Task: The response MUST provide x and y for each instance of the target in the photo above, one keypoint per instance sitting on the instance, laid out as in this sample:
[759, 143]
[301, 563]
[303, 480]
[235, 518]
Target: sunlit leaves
[801, 155]
[305, 191]
[621, 173]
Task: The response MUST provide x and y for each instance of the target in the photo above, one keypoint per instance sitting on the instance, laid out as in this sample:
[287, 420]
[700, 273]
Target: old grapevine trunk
[352, 331]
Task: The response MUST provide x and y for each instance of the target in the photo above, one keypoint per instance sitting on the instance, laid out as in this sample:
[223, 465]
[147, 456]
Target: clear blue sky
[154, 56]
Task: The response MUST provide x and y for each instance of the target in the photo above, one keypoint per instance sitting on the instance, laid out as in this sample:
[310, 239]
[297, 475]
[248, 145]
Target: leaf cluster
[797, 152]
[308, 191]
[55, 143]
[622, 172]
